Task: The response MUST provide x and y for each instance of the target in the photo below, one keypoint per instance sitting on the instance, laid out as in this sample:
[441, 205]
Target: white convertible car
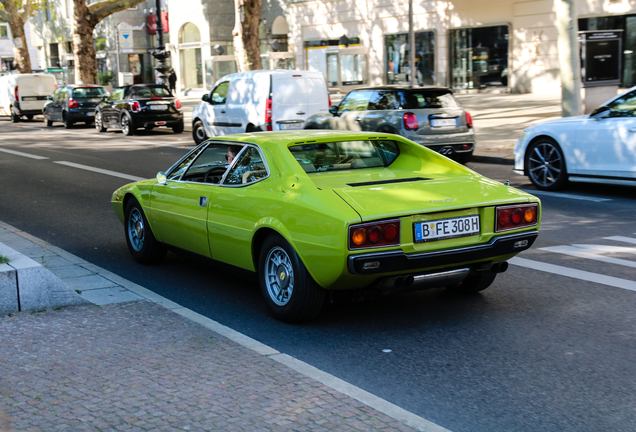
[598, 148]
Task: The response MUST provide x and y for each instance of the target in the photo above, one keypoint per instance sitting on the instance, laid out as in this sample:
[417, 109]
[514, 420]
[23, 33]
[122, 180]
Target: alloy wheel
[125, 125]
[279, 276]
[546, 165]
[200, 132]
[98, 121]
[136, 230]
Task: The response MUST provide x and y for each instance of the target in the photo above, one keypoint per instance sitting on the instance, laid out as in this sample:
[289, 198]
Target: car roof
[287, 138]
[404, 88]
[82, 85]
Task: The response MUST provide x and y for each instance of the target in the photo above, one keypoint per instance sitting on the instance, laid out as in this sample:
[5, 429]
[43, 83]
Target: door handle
[300, 113]
[357, 120]
[632, 129]
[223, 112]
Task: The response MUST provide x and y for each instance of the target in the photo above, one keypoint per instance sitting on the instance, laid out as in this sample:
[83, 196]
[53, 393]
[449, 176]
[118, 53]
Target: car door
[179, 208]
[605, 143]
[352, 110]
[217, 119]
[49, 106]
[112, 109]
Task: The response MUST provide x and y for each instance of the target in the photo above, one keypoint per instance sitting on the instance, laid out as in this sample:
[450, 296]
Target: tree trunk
[20, 48]
[83, 49]
[246, 42]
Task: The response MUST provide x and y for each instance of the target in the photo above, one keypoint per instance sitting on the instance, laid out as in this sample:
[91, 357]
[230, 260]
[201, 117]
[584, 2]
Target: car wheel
[126, 125]
[67, 123]
[198, 132]
[99, 122]
[289, 290]
[15, 117]
[48, 122]
[178, 128]
[546, 165]
[143, 246]
[463, 158]
[29, 117]
[475, 282]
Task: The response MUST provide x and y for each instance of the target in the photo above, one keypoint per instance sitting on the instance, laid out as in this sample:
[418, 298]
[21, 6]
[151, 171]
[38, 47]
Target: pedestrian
[172, 79]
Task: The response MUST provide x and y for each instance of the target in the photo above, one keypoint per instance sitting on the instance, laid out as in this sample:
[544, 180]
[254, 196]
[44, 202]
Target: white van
[262, 100]
[25, 94]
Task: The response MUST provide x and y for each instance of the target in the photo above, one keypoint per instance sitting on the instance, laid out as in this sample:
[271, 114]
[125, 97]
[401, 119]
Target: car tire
[126, 123]
[29, 117]
[289, 290]
[48, 122]
[178, 128]
[67, 123]
[474, 282]
[99, 122]
[15, 118]
[463, 158]
[545, 164]
[143, 246]
[198, 132]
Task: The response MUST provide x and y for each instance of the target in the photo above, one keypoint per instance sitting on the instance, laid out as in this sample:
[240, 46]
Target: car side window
[57, 95]
[209, 166]
[177, 171]
[250, 168]
[118, 94]
[355, 101]
[625, 106]
[219, 94]
[382, 100]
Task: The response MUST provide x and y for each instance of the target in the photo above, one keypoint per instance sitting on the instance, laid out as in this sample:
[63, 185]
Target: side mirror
[161, 178]
[333, 110]
[600, 111]
[205, 98]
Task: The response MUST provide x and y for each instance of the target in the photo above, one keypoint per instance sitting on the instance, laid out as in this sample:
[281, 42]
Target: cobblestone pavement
[139, 367]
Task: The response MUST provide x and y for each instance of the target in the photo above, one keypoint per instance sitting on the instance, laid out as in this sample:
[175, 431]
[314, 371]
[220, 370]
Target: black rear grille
[379, 182]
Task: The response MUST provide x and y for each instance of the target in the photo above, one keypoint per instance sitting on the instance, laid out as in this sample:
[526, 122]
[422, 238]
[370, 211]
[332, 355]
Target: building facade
[7, 63]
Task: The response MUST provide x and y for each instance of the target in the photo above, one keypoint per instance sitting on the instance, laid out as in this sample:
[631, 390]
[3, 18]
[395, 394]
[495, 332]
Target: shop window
[397, 49]
[4, 31]
[54, 55]
[479, 57]
[353, 69]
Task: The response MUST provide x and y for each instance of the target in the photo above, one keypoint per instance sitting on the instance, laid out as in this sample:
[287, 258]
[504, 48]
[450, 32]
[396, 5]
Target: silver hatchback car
[430, 116]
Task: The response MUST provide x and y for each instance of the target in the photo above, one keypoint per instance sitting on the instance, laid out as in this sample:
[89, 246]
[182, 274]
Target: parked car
[313, 211]
[262, 100]
[72, 104]
[24, 95]
[139, 106]
[430, 116]
[598, 148]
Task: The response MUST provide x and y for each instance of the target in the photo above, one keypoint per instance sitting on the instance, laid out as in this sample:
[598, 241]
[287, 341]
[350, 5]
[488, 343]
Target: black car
[139, 106]
[72, 104]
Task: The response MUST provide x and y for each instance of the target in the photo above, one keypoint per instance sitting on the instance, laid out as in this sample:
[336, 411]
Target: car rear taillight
[410, 121]
[177, 104]
[72, 103]
[516, 216]
[135, 107]
[469, 120]
[16, 94]
[375, 234]
[268, 114]
[156, 98]
[329, 101]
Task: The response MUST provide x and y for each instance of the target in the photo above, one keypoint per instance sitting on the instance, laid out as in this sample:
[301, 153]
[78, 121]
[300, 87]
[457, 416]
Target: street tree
[85, 18]
[247, 14]
[16, 13]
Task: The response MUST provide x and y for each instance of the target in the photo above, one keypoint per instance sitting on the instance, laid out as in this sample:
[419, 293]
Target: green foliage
[106, 77]
[100, 44]
[3, 259]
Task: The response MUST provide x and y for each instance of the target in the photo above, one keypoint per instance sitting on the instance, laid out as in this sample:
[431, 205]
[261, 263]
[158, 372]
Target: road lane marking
[99, 170]
[17, 153]
[590, 253]
[563, 195]
[575, 274]
[622, 239]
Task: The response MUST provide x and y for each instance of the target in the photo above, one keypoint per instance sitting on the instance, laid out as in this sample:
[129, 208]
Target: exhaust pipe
[499, 267]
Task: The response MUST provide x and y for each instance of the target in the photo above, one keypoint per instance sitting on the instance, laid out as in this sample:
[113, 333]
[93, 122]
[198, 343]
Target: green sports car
[312, 211]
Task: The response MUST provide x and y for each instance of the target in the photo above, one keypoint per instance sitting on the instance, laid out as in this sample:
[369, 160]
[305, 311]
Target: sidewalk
[135, 361]
[499, 119]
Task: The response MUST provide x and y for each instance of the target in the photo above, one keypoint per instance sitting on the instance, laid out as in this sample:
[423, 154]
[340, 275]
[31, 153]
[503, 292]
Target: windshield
[158, 91]
[88, 92]
[345, 155]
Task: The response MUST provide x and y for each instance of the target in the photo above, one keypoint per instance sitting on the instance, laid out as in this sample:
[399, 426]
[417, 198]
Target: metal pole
[117, 51]
[412, 69]
[160, 53]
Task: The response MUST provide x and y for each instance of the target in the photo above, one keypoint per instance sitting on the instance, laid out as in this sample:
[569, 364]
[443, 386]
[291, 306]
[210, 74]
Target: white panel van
[262, 100]
[25, 94]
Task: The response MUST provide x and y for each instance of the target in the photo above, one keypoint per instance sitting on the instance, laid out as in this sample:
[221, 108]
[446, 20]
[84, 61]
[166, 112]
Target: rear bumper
[81, 114]
[167, 119]
[398, 261]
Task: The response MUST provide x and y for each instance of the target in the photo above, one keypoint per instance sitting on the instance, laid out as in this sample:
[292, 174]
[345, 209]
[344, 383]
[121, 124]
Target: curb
[26, 285]
[499, 160]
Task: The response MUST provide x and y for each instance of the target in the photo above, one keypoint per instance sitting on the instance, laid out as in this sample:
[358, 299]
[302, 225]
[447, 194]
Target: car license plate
[288, 126]
[158, 107]
[443, 122]
[91, 114]
[447, 228]
[95, 100]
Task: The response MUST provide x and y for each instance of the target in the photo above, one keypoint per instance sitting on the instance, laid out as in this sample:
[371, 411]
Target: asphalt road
[549, 347]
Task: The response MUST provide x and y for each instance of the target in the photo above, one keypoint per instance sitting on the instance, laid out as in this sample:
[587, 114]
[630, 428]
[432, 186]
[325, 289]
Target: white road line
[101, 171]
[622, 239]
[588, 254]
[605, 249]
[563, 195]
[576, 274]
[17, 153]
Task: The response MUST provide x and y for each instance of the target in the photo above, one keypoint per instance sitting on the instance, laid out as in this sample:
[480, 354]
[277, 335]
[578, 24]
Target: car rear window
[150, 92]
[88, 92]
[345, 155]
[416, 99]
